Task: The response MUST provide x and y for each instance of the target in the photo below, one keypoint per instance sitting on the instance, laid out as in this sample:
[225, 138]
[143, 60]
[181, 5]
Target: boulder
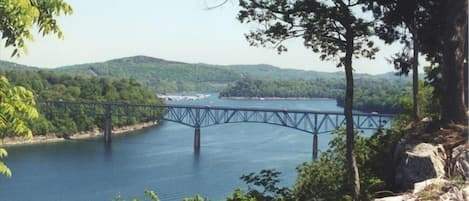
[453, 194]
[465, 193]
[460, 162]
[420, 186]
[416, 163]
[397, 198]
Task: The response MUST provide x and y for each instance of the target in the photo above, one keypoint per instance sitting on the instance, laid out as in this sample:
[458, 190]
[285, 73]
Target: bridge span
[197, 117]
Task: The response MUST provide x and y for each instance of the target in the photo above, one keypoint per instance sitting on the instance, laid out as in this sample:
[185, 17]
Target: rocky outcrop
[460, 162]
[453, 194]
[420, 186]
[396, 198]
[418, 162]
[435, 190]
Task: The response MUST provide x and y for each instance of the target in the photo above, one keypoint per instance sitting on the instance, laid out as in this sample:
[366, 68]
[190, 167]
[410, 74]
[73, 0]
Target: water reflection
[196, 159]
[107, 151]
[161, 158]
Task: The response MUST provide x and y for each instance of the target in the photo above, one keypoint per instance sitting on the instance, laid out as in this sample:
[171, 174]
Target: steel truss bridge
[195, 116]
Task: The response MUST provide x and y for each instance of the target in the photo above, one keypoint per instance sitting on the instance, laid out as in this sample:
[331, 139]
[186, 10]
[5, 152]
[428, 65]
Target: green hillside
[5, 65]
[371, 94]
[47, 85]
[273, 72]
[163, 76]
[159, 75]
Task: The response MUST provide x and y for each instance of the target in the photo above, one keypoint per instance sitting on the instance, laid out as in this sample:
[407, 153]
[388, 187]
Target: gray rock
[396, 198]
[460, 162]
[465, 193]
[453, 194]
[416, 163]
[420, 186]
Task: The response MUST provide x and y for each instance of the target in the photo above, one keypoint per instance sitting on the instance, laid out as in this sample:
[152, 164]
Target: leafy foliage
[3, 168]
[326, 178]
[164, 76]
[16, 109]
[48, 85]
[372, 94]
[330, 28]
[196, 198]
[159, 75]
[19, 17]
[428, 103]
[148, 193]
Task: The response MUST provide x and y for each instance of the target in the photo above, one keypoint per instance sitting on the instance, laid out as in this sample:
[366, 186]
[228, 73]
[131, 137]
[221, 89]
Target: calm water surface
[161, 159]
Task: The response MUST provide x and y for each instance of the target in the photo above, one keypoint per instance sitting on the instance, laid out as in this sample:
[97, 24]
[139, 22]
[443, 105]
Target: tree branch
[217, 6]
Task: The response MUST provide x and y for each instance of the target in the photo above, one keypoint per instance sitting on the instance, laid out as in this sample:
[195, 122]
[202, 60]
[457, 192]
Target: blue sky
[180, 30]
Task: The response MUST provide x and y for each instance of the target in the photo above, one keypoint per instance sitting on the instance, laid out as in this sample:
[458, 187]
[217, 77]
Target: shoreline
[15, 141]
[272, 98]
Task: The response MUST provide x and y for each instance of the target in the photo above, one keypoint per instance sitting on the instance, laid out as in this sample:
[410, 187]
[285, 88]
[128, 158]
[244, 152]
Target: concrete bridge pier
[315, 146]
[107, 124]
[197, 140]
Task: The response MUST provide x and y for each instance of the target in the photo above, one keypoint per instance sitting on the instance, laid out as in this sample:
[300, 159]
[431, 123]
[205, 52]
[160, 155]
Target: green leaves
[19, 17]
[16, 109]
[323, 25]
[3, 168]
[196, 198]
[152, 195]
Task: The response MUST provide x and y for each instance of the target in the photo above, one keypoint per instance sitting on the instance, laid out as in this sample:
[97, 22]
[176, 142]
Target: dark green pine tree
[331, 28]
[400, 20]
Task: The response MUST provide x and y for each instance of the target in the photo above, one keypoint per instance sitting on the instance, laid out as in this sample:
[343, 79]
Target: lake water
[162, 159]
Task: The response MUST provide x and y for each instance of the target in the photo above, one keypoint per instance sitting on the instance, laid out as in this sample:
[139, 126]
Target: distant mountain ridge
[165, 76]
[6, 65]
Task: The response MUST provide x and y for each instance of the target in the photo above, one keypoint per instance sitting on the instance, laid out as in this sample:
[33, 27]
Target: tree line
[47, 85]
[372, 94]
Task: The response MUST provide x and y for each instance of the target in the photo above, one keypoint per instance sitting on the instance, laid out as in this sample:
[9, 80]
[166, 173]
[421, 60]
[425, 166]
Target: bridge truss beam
[309, 121]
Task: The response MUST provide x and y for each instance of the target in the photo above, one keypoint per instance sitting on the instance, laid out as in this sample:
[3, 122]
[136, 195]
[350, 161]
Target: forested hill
[159, 75]
[47, 85]
[163, 76]
[371, 94]
[5, 65]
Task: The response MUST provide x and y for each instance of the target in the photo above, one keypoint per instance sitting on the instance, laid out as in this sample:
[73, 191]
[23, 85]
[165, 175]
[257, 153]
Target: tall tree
[453, 42]
[443, 38]
[330, 28]
[400, 19]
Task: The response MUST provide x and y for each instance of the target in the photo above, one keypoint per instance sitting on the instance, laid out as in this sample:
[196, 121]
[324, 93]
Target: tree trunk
[354, 176]
[453, 109]
[466, 81]
[415, 79]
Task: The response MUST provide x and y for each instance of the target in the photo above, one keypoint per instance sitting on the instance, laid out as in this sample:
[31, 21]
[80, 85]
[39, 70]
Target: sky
[178, 30]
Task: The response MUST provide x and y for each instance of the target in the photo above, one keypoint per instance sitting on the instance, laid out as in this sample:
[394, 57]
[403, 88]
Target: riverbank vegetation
[47, 85]
[371, 94]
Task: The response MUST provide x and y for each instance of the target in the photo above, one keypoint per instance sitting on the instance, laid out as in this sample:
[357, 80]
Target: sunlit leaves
[152, 195]
[16, 108]
[3, 168]
[19, 16]
[196, 198]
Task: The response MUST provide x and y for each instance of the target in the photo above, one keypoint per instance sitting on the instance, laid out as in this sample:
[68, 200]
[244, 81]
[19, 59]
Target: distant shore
[273, 98]
[13, 141]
